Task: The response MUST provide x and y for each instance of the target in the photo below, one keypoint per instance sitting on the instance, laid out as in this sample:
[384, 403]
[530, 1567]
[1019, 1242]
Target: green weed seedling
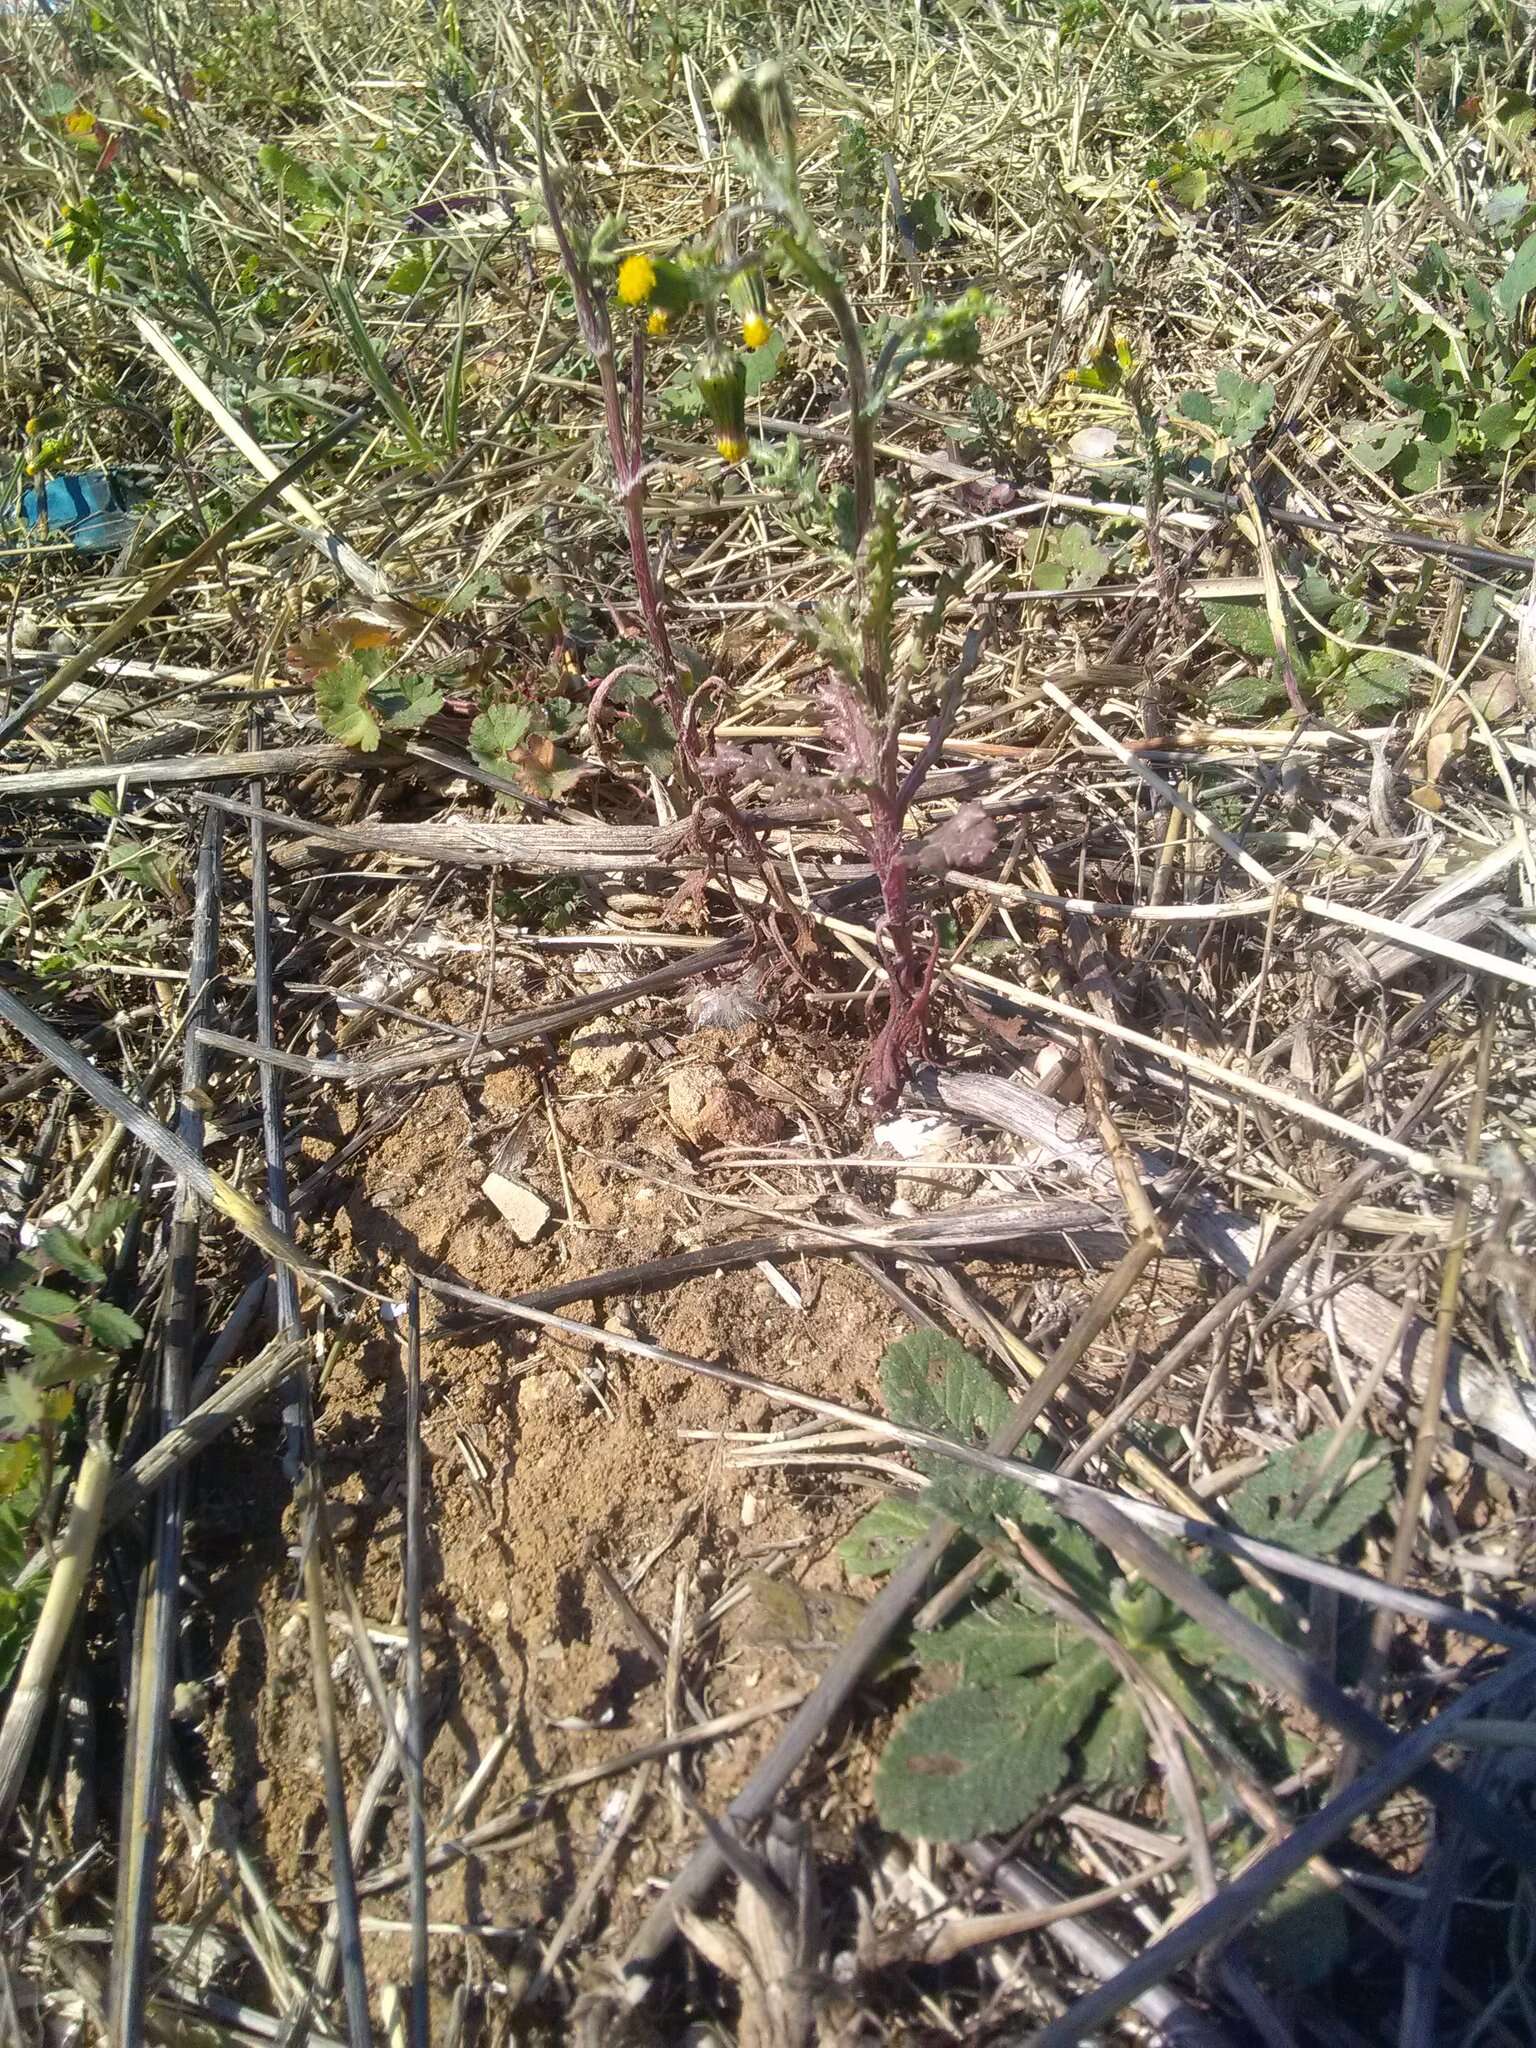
[51, 1308]
[1023, 1703]
[1459, 366]
[361, 698]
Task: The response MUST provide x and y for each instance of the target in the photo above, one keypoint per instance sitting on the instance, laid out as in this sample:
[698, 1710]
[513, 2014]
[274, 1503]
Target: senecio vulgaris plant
[772, 237]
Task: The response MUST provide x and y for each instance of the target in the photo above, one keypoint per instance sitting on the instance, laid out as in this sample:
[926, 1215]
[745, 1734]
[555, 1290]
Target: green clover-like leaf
[498, 732]
[342, 705]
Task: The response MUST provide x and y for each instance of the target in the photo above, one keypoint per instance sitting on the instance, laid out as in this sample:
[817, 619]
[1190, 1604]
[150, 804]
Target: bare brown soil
[546, 1458]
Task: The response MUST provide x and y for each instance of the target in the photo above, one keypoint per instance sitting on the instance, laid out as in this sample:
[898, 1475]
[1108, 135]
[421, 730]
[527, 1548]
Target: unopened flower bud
[722, 380]
[773, 95]
[738, 105]
[749, 295]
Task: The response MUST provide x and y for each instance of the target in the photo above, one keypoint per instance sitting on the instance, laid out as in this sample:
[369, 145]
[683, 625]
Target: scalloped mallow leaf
[986, 1758]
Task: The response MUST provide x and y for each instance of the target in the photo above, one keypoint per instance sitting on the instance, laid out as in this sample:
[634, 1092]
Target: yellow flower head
[80, 122]
[755, 330]
[637, 279]
[732, 447]
[659, 321]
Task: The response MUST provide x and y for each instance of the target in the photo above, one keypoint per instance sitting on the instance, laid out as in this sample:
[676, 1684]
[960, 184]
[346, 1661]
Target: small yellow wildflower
[637, 280]
[755, 330]
[731, 447]
[80, 122]
[659, 321]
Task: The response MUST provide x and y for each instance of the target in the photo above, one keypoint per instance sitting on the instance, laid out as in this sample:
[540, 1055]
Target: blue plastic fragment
[92, 510]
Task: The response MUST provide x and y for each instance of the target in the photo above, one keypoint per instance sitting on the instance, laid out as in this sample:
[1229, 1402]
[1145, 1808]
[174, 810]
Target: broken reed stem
[502, 1827]
[1262, 1274]
[879, 1621]
[1320, 907]
[1094, 1952]
[271, 1094]
[1041, 1391]
[173, 771]
[281, 483]
[1222, 1079]
[300, 1456]
[887, 1610]
[153, 1674]
[415, 1544]
[1426, 1436]
[956, 1937]
[343, 1878]
[167, 1146]
[33, 1692]
[243, 1391]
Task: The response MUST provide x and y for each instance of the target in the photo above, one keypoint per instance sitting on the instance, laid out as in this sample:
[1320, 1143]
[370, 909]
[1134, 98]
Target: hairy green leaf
[932, 1382]
[1000, 1639]
[977, 1502]
[1519, 280]
[1244, 624]
[1301, 1935]
[1243, 408]
[985, 1759]
[1208, 1650]
[23, 1404]
[1114, 1750]
[1377, 448]
[1378, 681]
[411, 272]
[1303, 1504]
[1267, 99]
[878, 1541]
[646, 736]
[1501, 424]
[1250, 696]
[49, 1303]
[1074, 561]
[108, 1219]
[62, 1248]
[111, 1325]
[405, 701]
[293, 178]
